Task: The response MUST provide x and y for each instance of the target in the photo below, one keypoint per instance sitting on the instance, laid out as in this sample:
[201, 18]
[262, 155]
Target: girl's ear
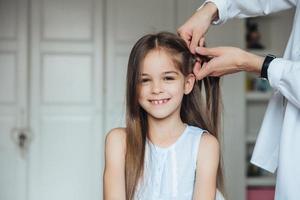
[189, 83]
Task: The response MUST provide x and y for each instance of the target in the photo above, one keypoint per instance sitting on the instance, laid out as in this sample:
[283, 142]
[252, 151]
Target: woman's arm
[228, 9]
[218, 11]
[284, 76]
[227, 60]
[114, 171]
[207, 167]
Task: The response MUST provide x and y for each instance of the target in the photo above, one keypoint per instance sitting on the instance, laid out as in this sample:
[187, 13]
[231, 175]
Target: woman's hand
[226, 60]
[193, 30]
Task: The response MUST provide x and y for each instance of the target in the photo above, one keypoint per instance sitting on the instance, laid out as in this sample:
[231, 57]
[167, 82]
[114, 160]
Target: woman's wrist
[252, 63]
[211, 10]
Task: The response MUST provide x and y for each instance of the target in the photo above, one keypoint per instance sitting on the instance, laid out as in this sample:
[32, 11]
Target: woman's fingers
[222, 61]
[210, 52]
[185, 36]
[207, 67]
[201, 71]
[197, 35]
[202, 41]
[214, 67]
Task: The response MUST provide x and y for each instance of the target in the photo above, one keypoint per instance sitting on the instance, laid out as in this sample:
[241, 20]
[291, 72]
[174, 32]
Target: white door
[65, 100]
[13, 99]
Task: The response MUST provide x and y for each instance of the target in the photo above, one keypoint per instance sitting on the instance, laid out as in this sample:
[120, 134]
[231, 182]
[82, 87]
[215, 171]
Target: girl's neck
[164, 131]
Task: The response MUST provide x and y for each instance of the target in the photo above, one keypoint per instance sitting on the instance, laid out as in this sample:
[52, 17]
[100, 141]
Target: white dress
[169, 173]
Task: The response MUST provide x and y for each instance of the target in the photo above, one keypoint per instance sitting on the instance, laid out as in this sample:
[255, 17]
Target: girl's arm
[207, 166]
[114, 176]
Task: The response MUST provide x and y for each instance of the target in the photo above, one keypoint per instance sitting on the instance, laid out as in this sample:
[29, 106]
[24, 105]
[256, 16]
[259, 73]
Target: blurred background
[62, 80]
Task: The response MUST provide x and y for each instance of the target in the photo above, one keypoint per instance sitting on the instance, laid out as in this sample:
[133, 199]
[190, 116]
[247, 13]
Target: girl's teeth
[156, 102]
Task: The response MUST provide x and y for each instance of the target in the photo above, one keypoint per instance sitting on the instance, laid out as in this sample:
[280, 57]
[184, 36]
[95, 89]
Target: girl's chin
[159, 116]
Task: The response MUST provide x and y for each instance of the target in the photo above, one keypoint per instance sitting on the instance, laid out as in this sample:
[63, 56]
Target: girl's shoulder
[209, 141]
[117, 133]
[208, 151]
[206, 139]
[208, 144]
[116, 139]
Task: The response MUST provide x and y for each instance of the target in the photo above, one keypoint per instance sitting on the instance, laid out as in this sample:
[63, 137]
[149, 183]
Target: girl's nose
[157, 88]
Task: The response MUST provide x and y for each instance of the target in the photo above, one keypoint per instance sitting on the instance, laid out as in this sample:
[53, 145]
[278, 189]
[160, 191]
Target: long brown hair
[199, 108]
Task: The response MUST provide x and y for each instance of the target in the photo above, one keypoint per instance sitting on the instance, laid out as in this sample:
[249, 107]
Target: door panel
[13, 98]
[8, 77]
[67, 20]
[9, 158]
[8, 19]
[63, 76]
[67, 170]
[66, 89]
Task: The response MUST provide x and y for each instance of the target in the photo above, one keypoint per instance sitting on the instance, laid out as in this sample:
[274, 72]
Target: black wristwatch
[265, 66]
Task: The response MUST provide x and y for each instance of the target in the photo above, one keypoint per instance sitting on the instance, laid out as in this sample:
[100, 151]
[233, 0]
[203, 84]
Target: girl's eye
[145, 80]
[169, 78]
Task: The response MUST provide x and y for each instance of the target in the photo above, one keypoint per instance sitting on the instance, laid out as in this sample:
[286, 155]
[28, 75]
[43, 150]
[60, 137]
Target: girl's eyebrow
[165, 73]
[171, 72]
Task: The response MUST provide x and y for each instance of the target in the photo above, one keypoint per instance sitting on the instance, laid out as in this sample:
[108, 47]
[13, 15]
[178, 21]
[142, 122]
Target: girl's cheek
[143, 91]
[177, 87]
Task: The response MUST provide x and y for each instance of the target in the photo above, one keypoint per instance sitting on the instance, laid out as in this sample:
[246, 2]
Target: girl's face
[162, 85]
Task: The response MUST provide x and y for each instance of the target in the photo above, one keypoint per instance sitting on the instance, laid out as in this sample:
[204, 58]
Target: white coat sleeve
[228, 9]
[284, 76]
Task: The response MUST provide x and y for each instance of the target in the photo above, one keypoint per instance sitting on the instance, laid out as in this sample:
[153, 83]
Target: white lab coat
[278, 143]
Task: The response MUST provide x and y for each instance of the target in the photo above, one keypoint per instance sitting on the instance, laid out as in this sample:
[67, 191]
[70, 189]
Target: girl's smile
[159, 101]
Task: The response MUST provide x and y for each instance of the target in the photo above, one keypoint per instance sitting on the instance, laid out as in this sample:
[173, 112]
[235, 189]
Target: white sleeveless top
[169, 173]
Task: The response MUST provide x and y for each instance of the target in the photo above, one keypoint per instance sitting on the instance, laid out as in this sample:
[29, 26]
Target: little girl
[169, 149]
